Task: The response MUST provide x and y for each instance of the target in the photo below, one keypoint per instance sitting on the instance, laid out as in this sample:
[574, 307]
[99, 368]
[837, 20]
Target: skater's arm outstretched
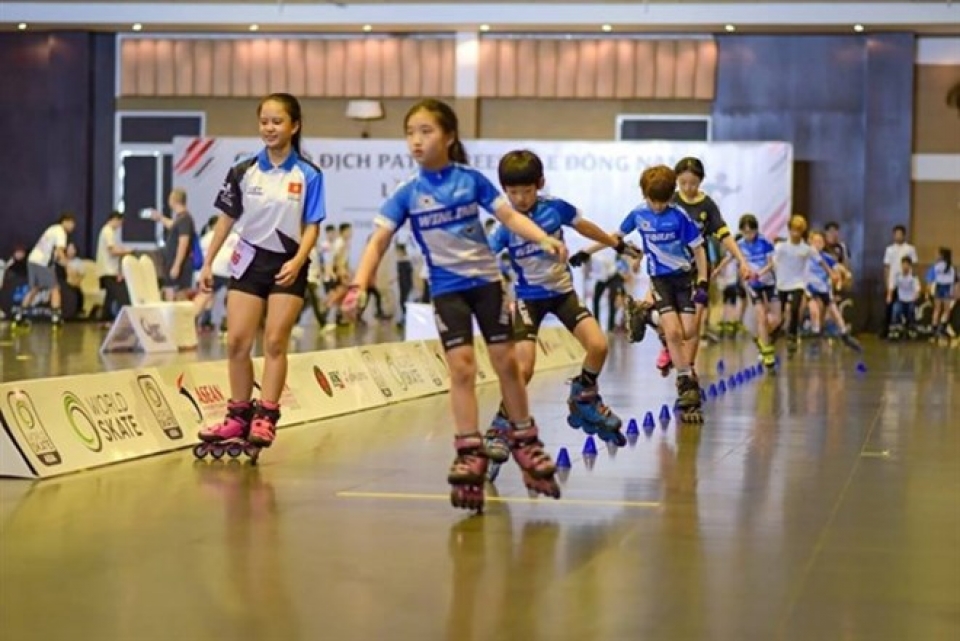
[372, 254]
[524, 227]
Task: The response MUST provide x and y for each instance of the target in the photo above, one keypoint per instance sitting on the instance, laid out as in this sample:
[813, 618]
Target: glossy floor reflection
[819, 504]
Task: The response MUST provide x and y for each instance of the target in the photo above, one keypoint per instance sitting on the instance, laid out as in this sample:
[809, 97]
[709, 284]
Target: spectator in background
[404, 279]
[608, 278]
[902, 296]
[109, 254]
[177, 274]
[892, 260]
[50, 250]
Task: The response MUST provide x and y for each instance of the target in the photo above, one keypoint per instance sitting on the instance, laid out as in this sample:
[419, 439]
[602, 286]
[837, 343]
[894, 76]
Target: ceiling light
[484, 27]
[858, 28]
[254, 27]
[729, 28]
[367, 27]
[22, 26]
[137, 27]
[607, 27]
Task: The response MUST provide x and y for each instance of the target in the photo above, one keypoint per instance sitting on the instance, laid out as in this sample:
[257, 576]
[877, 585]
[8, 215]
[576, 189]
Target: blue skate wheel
[573, 422]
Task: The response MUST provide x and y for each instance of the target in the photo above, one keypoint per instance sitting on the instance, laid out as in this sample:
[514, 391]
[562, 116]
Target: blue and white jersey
[443, 208]
[758, 253]
[941, 275]
[539, 274]
[667, 238]
[270, 204]
[818, 280]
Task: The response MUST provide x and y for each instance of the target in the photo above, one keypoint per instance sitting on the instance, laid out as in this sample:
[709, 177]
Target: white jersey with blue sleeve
[668, 238]
[443, 208]
[818, 280]
[757, 253]
[270, 204]
[539, 274]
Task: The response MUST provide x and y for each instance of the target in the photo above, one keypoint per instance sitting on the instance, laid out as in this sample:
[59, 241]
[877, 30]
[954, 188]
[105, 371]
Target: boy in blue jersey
[820, 284]
[545, 286]
[762, 289]
[674, 247]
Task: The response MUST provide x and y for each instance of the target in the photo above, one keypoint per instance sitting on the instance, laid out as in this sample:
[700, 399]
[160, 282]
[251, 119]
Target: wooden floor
[819, 504]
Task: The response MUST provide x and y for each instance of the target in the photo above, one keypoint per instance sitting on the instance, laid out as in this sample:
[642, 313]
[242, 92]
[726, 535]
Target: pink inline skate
[536, 466]
[263, 428]
[230, 436]
[468, 472]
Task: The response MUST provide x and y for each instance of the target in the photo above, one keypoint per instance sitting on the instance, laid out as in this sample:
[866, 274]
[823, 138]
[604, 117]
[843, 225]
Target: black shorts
[184, 280]
[260, 279]
[733, 292]
[824, 297]
[792, 296]
[219, 282]
[762, 294]
[330, 285]
[530, 313]
[454, 314]
[673, 294]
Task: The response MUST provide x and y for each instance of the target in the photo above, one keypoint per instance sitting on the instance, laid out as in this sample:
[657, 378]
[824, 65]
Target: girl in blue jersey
[674, 248]
[545, 286]
[942, 279]
[276, 200]
[820, 285]
[761, 289]
[442, 202]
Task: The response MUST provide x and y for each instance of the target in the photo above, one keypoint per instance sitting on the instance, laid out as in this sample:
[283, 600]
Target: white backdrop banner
[601, 178]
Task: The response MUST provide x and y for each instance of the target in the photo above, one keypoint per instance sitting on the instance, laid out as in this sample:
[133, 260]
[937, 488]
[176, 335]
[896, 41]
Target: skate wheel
[200, 450]
[217, 452]
[573, 422]
[619, 439]
[234, 450]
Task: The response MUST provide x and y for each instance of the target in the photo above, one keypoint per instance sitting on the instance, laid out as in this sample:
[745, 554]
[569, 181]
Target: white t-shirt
[790, 265]
[108, 264]
[729, 275]
[55, 237]
[603, 266]
[907, 286]
[892, 257]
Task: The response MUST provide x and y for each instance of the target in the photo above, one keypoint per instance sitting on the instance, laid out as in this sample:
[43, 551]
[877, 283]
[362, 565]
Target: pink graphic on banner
[774, 224]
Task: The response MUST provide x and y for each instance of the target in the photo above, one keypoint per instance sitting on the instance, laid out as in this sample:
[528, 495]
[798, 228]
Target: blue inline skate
[587, 412]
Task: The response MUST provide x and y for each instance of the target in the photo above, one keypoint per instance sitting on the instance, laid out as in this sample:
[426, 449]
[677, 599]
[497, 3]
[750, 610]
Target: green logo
[81, 422]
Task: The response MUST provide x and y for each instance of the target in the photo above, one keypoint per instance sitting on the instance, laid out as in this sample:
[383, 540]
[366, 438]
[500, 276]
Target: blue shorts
[943, 292]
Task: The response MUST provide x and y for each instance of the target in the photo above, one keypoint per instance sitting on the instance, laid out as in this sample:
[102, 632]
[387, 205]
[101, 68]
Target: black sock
[588, 378]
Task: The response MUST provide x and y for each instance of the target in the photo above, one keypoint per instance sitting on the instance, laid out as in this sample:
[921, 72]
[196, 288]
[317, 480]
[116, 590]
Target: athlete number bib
[241, 259]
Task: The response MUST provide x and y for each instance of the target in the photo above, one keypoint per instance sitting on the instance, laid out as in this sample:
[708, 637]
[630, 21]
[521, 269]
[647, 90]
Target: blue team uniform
[943, 279]
[667, 239]
[539, 274]
[758, 253]
[819, 280]
[443, 208]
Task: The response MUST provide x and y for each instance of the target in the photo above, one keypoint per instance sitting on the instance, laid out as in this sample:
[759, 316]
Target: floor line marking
[498, 499]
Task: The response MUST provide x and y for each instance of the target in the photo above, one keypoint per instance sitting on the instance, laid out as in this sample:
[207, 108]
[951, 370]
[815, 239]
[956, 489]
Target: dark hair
[900, 228]
[446, 119]
[831, 225]
[946, 256]
[906, 259]
[115, 215]
[345, 226]
[67, 216]
[691, 164]
[748, 220]
[329, 228]
[292, 106]
[658, 183]
[520, 168]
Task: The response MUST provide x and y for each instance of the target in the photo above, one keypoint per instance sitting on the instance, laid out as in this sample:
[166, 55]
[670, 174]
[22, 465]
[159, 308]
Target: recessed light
[484, 27]
[607, 27]
[367, 27]
[858, 28]
[729, 28]
[137, 27]
[254, 27]
[22, 26]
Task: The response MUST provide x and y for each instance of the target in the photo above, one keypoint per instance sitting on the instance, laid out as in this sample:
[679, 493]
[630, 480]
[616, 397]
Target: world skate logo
[104, 416]
[322, 381]
[25, 415]
[158, 406]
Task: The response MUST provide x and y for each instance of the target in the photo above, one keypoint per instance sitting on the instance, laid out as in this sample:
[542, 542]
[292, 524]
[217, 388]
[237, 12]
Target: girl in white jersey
[276, 200]
[442, 203]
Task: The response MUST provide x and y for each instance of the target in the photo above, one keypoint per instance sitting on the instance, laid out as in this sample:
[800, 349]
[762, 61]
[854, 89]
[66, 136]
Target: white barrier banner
[77, 422]
[598, 177]
[333, 382]
[434, 351]
[295, 403]
[199, 393]
[401, 371]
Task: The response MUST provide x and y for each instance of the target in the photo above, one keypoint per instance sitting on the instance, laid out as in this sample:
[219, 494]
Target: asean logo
[322, 381]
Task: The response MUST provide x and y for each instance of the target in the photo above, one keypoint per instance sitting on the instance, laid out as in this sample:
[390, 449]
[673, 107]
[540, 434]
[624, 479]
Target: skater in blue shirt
[442, 203]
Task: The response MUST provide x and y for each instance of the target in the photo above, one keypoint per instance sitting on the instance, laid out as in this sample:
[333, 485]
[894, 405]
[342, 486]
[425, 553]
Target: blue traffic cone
[732, 381]
[648, 420]
[664, 414]
[632, 427]
[722, 387]
[590, 447]
[563, 459]
[712, 391]
[740, 378]
[721, 367]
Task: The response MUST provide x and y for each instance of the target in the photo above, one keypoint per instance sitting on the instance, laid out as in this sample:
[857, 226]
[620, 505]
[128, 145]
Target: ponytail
[295, 142]
[458, 152]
